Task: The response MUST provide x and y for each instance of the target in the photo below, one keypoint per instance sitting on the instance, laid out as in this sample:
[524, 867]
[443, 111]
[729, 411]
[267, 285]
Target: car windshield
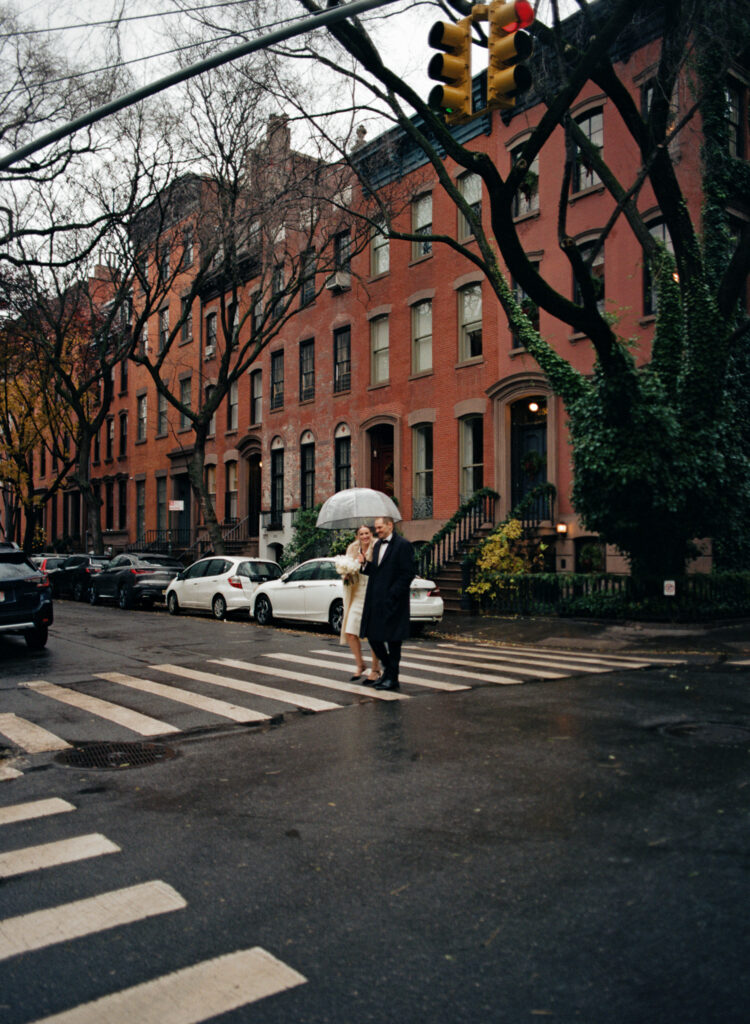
[12, 569]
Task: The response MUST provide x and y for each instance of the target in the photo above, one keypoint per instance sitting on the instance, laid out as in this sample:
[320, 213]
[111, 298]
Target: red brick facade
[428, 420]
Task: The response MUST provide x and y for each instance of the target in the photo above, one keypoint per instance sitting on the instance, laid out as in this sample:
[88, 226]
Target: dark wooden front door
[381, 458]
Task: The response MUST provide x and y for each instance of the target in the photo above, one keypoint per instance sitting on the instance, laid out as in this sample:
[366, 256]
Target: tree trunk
[196, 473]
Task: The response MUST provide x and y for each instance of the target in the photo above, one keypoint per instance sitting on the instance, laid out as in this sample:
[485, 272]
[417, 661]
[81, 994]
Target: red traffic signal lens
[524, 14]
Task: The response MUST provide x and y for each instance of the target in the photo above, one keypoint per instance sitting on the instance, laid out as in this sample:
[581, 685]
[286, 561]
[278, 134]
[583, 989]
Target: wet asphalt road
[573, 850]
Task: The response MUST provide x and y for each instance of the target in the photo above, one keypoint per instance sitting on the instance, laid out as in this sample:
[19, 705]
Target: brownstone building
[402, 373]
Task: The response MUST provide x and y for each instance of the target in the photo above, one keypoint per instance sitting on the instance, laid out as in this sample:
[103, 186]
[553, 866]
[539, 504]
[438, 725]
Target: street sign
[177, 506]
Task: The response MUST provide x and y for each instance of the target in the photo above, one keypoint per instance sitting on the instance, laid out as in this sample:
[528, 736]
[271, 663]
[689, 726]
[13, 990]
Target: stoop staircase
[442, 560]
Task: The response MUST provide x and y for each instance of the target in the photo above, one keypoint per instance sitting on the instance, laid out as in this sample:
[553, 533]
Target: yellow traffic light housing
[452, 67]
[508, 44]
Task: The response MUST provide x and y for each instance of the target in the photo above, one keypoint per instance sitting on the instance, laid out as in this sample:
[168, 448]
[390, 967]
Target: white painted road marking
[434, 684]
[133, 720]
[302, 677]
[7, 773]
[86, 917]
[284, 696]
[49, 855]
[29, 737]
[191, 995]
[195, 700]
[548, 656]
[33, 809]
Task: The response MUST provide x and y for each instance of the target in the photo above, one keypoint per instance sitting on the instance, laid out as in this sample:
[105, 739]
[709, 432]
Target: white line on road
[50, 855]
[546, 655]
[194, 700]
[33, 809]
[28, 736]
[86, 917]
[133, 720]
[7, 773]
[491, 665]
[433, 684]
[297, 699]
[192, 995]
[302, 677]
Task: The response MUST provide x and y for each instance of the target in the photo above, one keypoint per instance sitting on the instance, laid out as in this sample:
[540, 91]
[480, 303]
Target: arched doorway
[254, 468]
[528, 451]
[381, 457]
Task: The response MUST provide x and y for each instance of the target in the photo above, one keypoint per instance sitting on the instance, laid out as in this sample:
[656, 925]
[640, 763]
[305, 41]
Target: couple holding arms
[376, 603]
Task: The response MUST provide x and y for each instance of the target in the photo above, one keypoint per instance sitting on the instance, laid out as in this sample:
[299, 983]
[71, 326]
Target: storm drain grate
[728, 733]
[115, 756]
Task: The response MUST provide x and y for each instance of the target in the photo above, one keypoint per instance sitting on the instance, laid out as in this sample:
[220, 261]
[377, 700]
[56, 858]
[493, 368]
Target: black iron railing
[458, 533]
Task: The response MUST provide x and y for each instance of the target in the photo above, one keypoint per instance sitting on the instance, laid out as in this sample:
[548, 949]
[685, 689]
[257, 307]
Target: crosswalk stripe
[132, 720]
[301, 677]
[191, 995]
[194, 700]
[33, 809]
[433, 684]
[532, 653]
[284, 696]
[461, 674]
[28, 736]
[491, 664]
[7, 773]
[85, 917]
[49, 855]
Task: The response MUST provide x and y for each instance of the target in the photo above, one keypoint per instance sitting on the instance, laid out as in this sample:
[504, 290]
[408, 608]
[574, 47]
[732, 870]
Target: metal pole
[321, 20]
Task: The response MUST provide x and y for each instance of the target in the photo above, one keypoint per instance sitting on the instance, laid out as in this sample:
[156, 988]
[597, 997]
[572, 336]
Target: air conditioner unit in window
[340, 281]
[209, 352]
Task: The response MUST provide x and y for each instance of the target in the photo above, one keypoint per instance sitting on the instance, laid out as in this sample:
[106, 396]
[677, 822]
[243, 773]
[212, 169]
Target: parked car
[221, 584]
[47, 562]
[314, 592]
[135, 578]
[73, 577]
[25, 597]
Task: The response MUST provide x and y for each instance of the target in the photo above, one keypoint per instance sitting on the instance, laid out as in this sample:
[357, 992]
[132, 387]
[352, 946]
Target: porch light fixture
[562, 528]
[533, 406]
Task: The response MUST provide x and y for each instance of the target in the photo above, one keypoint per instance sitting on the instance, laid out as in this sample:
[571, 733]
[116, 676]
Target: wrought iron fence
[607, 596]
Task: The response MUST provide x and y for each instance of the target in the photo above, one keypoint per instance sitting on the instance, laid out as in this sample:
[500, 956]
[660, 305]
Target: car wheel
[78, 591]
[124, 599]
[263, 611]
[336, 615]
[93, 596]
[219, 607]
[173, 605]
[36, 638]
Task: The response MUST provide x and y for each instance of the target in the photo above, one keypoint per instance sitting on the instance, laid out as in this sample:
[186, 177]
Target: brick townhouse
[402, 374]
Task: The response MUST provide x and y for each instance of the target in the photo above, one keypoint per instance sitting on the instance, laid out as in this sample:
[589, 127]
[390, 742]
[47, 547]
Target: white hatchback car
[221, 584]
[314, 592]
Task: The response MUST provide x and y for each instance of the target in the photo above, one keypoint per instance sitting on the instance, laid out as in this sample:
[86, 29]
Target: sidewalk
[730, 639]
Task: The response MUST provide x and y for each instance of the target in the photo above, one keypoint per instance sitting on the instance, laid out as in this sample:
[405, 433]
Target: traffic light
[453, 67]
[508, 43]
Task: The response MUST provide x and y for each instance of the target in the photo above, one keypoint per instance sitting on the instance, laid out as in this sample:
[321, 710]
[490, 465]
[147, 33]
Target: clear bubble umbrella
[346, 510]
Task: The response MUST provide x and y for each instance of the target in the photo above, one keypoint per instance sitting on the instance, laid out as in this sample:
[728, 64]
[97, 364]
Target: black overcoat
[386, 612]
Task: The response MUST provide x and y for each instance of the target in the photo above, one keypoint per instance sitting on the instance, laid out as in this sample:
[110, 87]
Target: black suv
[25, 597]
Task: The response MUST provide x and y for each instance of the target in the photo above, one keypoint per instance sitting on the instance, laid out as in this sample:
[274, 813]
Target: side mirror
[180, 575]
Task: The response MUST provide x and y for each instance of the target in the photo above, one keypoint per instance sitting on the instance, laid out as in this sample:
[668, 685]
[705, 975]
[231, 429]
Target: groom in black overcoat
[385, 617]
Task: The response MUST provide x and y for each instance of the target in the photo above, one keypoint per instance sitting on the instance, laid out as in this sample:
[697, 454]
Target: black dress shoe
[371, 682]
[387, 684]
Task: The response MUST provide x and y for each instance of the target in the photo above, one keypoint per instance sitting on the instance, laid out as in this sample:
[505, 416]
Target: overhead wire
[119, 21]
[177, 49]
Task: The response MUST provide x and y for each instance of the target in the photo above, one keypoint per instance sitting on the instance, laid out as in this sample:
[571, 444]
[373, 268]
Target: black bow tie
[385, 540]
